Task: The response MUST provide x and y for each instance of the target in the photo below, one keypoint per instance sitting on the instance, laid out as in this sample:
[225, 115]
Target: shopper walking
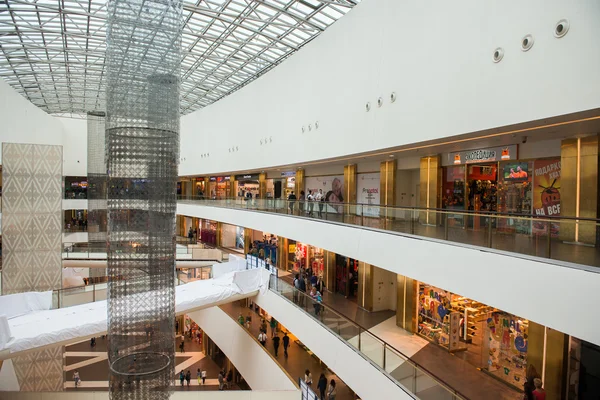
[262, 338]
[297, 287]
[276, 340]
[331, 391]
[241, 319]
[76, 378]
[291, 202]
[191, 235]
[203, 376]
[320, 201]
[286, 343]
[248, 321]
[322, 386]
[221, 380]
[198, 376]
[181, 345]
[181, 377]
[273, 325]
[308, 378]
[188, 378]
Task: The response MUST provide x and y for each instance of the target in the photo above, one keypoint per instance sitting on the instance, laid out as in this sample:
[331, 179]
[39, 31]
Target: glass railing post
[414, 381]
[359, 339]
[384, 346]
[412, 222]
[445, 226]
[489, 237]
[549, 239]
[94, 293]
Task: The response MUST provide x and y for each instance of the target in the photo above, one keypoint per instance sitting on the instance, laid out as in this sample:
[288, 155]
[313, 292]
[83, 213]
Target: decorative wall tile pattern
[32, 223]
[41, 371]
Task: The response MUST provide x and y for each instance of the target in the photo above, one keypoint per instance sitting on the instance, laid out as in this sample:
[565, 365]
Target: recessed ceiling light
[391, 156]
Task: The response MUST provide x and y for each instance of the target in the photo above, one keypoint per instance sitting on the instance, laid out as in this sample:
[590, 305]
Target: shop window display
[453, 189]
[489, 339]
[514, 196]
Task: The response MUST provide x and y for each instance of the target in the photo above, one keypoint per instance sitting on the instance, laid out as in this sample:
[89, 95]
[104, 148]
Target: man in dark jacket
[286, 343]
[276, 340]
[291, 202]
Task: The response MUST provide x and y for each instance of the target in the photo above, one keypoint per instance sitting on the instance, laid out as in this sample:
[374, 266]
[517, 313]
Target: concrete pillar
[430, 180]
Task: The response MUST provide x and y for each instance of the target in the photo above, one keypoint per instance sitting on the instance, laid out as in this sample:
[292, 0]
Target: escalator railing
[413, 378]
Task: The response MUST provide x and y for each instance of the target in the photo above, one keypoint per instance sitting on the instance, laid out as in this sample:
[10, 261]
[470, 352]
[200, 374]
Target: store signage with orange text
[491, 154]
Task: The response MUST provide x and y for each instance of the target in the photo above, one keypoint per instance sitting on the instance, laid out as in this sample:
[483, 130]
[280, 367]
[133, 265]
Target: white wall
[22, 122]
[251, 360]
[384, 290]
[363, 378]
[74, 143]
[438, 60]
[532, 289]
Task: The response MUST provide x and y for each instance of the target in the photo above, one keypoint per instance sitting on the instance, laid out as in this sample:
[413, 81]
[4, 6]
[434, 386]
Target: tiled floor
[299, 358]
[92, 365]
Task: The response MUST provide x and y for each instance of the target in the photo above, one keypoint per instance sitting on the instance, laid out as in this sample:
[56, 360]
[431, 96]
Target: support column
[231, 193]
[219, 234]
[429, 182]
[262, 186]
[406, 310]
[248, 233]
[350, 188]
[299, 182]
[282, 253]
[579, 184]
[546, 351]
[329, 266]
[387, 189]
[365, 285]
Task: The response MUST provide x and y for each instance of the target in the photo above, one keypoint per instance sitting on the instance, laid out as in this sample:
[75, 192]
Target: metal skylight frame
[52, 51]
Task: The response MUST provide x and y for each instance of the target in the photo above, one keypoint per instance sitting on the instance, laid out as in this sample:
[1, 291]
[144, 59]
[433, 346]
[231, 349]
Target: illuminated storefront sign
[476, 156]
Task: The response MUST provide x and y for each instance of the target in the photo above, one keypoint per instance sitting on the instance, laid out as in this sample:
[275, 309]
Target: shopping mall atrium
[299, 200]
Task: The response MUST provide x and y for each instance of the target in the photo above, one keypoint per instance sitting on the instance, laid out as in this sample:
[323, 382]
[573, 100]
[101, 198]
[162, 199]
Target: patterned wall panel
[31, 210]
[40, 371]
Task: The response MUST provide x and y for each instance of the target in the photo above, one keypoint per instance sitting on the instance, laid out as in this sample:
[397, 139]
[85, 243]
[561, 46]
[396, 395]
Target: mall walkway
[92, 364]
[299, 359]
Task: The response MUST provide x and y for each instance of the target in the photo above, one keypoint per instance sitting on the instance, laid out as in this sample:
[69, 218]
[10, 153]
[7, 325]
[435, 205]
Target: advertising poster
[507, 341]
[332, 188]
[546, 193]
[239, 237]
[367, 192]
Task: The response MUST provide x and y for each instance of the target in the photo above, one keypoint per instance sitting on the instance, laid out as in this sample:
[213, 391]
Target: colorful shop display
[514, 196]
[507, 340]
[438, 322]
[546, 194]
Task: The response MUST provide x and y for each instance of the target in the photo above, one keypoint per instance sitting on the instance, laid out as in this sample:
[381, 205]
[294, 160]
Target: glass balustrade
[564, 239]
[398, 367]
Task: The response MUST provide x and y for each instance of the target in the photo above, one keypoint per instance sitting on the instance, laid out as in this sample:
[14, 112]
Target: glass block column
[142, 133]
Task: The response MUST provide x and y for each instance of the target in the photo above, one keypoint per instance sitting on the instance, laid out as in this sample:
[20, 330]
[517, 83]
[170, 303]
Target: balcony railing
[412, 377]
[568, 239]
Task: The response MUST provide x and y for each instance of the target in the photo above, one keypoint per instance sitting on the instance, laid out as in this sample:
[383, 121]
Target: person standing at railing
[308, 378]
[292, 202]
[320, 199]
[311, 203]
[301, 202]
[322, 386]
[331, 391]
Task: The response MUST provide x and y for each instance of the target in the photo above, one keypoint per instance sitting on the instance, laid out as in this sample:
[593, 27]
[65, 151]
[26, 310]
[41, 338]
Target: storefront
[208, 231]
[219, 186]
[302, 256]
[76, 187]
[75, 220]
[494, 180]
[248, 183]
[347, 272]
[265, 246]
[199, 187]
[232, 237]
[284, 187]
[492, 340]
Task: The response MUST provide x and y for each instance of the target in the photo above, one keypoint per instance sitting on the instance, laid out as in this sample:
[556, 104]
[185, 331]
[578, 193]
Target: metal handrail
[383, 342]
[410, 208]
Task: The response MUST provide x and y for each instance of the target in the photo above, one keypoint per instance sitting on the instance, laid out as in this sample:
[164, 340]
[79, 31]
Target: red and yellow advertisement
[546, 193]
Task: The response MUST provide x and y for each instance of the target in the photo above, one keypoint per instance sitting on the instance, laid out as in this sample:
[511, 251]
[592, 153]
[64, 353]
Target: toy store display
[506, 347]
[438, 322]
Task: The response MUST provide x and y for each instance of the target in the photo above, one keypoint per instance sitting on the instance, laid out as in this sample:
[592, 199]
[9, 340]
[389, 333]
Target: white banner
[367, 192]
